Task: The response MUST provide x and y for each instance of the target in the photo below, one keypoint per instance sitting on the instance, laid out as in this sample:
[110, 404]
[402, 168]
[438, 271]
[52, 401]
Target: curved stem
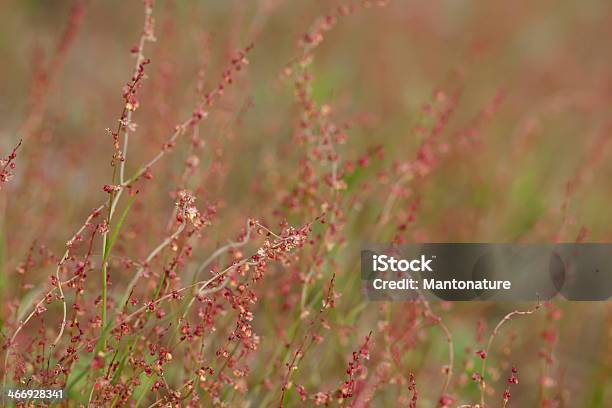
[506, 318]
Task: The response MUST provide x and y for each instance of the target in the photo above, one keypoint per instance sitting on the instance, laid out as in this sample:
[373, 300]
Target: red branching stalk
[549, 335]
[412, 387]
[124, 126]
[512, 380]
[275, 250]
[485, 354]
[316, 130]
[70, 355]
[57, 286]
[144, 264]
[310, 337]
[7, 165]
[444, 399]
[355, 367]
[116, 190]
[93, 215]
[420, 308]
[349, 388]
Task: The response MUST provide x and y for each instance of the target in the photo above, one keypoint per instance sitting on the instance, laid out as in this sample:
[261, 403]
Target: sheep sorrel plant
[194, 197]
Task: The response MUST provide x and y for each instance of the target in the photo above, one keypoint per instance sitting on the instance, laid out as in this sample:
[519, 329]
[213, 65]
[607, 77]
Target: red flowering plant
[184, 228]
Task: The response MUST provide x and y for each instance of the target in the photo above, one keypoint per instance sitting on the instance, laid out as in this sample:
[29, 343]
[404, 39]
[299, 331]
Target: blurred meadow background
[445, 121]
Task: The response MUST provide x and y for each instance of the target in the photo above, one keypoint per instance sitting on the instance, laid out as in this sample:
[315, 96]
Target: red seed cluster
[8, 165]
[512, 380]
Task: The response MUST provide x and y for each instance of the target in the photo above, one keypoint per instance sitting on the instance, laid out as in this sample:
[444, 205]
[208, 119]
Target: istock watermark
[382, 263]
[481, 271]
